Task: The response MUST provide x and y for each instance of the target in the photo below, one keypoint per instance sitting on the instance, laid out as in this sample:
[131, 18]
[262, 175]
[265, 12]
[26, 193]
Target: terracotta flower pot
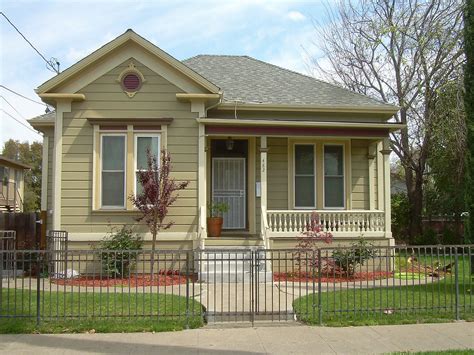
[214, 226]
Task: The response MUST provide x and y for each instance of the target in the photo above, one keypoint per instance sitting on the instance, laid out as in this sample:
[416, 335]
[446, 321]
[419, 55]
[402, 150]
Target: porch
[343, 176]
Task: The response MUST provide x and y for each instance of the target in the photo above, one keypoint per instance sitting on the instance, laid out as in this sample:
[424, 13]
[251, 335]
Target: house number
[263, 165]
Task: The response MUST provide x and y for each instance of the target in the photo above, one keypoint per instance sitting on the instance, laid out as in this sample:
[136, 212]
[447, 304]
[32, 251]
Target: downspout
[215, 105]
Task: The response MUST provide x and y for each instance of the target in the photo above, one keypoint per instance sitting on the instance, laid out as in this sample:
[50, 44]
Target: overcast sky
[280, 32]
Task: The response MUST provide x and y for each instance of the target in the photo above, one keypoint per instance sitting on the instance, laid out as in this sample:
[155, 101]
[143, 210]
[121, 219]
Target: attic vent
[131, 80]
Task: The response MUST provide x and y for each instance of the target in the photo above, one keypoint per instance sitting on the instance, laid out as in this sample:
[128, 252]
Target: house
[274, 144]
[12, 180]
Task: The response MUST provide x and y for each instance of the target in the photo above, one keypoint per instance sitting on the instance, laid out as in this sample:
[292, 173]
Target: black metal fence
[324, 286]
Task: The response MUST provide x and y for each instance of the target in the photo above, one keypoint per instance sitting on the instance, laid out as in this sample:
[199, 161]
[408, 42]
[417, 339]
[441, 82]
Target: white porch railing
[356, 221]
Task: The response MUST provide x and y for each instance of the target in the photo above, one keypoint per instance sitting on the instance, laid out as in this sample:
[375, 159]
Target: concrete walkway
[274, 339]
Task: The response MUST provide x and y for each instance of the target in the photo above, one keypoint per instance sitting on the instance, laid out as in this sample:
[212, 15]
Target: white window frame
[314, 176]
[343, 176]
[124, 206]
[135, 160]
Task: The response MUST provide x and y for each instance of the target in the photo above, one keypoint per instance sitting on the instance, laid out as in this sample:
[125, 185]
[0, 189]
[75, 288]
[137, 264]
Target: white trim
[314, 176]
[44, 173]
[124, 206]
[151, 134]
[343, 176]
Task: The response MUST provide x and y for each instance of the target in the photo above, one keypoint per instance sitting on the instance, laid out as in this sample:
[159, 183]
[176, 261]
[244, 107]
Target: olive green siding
[277, 176]
[105, 99]
[360, 174]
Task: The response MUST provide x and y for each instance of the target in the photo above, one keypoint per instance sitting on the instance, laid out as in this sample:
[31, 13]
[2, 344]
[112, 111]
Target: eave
[388, 110]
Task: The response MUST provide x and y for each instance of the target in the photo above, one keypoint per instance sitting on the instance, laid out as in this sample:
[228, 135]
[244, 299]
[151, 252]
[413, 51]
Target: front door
[228, 186]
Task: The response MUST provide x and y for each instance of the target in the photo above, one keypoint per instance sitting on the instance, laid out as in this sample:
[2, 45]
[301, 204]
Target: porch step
[233, 266]
[231, 241]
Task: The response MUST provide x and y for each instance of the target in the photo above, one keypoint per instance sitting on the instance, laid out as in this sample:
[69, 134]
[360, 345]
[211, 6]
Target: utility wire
[13, 107]
[23, 96]
[49, 63]
[17, 120]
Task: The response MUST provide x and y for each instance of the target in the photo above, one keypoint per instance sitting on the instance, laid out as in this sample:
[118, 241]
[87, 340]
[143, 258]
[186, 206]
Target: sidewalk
[296, 339]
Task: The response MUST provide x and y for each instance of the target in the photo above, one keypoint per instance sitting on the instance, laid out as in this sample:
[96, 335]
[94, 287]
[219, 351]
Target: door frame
[251, 179]
[245, 196]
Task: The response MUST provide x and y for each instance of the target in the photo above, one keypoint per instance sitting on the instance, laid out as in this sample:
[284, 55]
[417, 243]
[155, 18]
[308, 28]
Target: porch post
[263, 179]
[202, 184]
[386, 184]
[371, 157]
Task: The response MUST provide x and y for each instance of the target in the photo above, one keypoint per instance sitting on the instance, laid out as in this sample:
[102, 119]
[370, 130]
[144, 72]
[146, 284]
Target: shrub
[357, 254]
[118, 251]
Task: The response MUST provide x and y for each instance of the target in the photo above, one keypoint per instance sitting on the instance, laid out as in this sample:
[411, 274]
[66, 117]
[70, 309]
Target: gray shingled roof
[249, 80]
[47, 116]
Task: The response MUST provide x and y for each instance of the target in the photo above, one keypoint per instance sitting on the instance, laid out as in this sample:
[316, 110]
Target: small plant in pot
[215, 220]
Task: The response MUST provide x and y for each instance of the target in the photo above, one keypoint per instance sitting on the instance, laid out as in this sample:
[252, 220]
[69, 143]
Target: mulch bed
[331, 278]
[132, 281]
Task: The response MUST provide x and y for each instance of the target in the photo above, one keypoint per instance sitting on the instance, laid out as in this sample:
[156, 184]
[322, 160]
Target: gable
[105, 97]
[129, 45]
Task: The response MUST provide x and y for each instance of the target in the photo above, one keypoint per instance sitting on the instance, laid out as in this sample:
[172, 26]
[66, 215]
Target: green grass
[411, 303]
[121, 312]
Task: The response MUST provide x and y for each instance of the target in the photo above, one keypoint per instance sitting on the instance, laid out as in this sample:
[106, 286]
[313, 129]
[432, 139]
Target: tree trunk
[414, 183]
[152, 257]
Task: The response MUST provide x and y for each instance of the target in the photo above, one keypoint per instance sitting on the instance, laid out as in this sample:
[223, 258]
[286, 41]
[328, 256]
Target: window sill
[114, 211]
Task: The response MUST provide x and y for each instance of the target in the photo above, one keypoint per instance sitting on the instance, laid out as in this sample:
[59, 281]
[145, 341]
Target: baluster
[285, 222]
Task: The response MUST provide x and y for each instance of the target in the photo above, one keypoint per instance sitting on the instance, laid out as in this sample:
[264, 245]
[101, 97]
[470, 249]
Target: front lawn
[413, 302]
[99, 312]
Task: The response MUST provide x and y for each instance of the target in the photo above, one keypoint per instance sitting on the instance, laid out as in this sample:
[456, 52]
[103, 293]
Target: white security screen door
[228, 186]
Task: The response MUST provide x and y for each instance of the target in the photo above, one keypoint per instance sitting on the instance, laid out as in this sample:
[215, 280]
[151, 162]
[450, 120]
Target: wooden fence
[30, 228]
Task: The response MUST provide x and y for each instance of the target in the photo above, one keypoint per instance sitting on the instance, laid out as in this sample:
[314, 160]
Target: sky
[280, 32]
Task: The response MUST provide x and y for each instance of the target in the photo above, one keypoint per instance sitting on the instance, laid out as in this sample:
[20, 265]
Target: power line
[17, 120]
[23, 96]
[9, 104]
[49, 63]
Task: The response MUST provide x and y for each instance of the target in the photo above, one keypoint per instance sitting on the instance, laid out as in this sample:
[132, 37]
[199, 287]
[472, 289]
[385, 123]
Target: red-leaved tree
[157, 195]
[307, 244]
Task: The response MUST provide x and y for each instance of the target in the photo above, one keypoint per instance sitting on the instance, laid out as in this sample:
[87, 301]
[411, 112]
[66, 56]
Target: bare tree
[402, 52]
[157, 195]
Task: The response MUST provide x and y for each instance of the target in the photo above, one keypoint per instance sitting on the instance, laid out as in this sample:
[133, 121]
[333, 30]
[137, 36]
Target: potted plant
[214, 221]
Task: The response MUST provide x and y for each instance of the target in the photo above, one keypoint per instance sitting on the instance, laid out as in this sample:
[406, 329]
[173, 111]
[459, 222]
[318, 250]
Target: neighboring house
[274, 144]
[12, 179]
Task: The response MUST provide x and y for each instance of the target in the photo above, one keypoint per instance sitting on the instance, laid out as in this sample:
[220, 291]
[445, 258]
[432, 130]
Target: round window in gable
[131, 80]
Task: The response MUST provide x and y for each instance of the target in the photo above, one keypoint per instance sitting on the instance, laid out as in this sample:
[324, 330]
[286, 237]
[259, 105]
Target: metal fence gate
[239, 284]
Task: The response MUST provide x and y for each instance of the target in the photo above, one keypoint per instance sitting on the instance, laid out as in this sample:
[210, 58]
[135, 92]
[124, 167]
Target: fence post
[38, 288]
[456, 281]
[187, 289]
[320, 304]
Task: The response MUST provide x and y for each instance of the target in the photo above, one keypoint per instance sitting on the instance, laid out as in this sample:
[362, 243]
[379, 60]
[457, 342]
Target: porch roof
[297, 128]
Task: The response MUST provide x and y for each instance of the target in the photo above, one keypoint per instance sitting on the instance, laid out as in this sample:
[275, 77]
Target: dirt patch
[331, 278]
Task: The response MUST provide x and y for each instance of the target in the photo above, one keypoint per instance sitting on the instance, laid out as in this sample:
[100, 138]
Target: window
[304, 176]
[143, 143]
[333, 176]
[113, 170]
